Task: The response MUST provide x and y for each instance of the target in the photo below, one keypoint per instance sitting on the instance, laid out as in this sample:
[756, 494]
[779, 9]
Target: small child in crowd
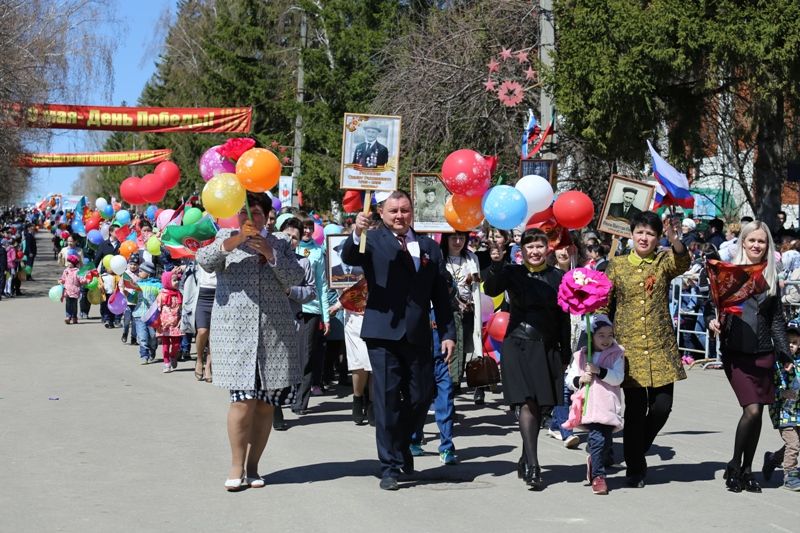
[169, 303]
[785, 415]
[149, 290]
[72, 288]
[603, 413]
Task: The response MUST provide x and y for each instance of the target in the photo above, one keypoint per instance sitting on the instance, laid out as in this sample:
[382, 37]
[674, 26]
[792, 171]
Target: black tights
[747, 433]
[530, 420]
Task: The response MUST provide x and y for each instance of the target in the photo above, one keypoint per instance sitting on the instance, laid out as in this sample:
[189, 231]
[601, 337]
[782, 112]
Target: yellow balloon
[497, 301]
[223, 195]
[153, 246]
[95, 296]
[107, 262]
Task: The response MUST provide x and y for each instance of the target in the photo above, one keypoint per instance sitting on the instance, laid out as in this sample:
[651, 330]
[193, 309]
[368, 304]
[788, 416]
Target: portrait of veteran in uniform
[371, 153]
[431, 208]
[342, 275]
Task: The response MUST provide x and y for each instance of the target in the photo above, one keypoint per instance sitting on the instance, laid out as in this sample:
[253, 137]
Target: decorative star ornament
[522, 57]
[505, 53]
[530, 74]
[510, 93]
[489, 85]
[493, 65]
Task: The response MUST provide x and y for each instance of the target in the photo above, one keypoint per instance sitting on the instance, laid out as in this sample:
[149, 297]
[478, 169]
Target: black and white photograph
[536, 167]
[429, 196]
[625, 199]
[370, 150]
[340, 275]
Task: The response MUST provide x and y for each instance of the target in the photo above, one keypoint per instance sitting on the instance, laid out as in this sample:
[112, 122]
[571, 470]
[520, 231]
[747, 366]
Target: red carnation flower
[234, 148]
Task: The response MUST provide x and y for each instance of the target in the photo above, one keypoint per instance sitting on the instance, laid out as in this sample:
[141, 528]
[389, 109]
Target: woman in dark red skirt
[750, 343]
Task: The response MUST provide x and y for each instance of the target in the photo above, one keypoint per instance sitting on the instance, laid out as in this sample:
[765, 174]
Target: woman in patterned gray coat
[254, 334]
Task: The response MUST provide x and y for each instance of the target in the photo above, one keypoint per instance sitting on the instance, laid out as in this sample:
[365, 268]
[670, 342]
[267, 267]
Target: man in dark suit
[29, 247]
[405, 273]
[625, 209]
[371, 153]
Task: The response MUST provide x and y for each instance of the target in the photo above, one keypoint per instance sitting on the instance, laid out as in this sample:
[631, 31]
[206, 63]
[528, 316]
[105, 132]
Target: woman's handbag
[482, 371]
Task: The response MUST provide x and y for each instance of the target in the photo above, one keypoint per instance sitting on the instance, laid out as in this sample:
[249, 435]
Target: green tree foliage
[626, 71]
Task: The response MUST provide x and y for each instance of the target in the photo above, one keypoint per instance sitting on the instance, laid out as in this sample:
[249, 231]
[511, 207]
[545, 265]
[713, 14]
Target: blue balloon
[108, 211]
[95, 237]
[505, 207]
[151, 213]
[79, 228]
[332, 229]
[123, 217]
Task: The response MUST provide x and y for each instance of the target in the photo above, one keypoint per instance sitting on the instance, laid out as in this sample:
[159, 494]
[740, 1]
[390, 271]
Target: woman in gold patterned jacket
[644, 327]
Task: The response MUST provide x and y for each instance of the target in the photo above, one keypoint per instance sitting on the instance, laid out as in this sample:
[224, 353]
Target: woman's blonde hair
[740, 258]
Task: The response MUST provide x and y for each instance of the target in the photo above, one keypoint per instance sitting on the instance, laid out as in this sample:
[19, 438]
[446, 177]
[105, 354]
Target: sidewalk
[92, 441]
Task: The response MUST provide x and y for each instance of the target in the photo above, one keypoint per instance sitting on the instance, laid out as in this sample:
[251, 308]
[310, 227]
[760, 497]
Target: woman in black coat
[536, 348]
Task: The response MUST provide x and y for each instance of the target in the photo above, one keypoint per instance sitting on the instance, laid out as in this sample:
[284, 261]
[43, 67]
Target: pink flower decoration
[583, 291]
[235, 147]
[510, 93]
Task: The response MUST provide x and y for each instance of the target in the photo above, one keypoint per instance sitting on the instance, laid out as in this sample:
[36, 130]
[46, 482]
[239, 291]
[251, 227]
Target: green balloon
[154, 246]
[93, 284]
[191, 216]
[28, 269]
[56, 292]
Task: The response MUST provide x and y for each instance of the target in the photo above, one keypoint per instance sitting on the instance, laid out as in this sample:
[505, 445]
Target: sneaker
[416, 450]
[134, 342]
[124, 339]
[792, 481]
[447, 457]
[572, 442]
[174, 362]
[553, 434]
[144, 361]
[316, 391]
[167, 368]
[84, 315]
[599, 485]
[769, 466]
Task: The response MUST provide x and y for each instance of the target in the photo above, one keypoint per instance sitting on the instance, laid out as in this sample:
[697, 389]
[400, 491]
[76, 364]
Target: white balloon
[119, 264]
[147, 257]
[104, 231]
[100, 204]
[537, 192]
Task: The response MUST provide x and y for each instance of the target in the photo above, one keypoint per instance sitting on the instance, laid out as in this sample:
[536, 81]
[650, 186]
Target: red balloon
[541, 216]
[168, 174]
[573, 210]
[91, 224]
[466, 172]
[129, 191]
[498, 325]
[152, 188]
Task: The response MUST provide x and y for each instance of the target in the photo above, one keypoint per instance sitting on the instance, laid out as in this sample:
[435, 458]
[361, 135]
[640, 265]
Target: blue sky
[134, 63]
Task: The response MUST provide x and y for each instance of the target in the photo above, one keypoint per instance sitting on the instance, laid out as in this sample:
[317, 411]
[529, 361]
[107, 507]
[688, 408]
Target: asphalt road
[92, 441]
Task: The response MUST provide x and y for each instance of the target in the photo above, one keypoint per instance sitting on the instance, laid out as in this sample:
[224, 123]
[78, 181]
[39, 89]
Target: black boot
[733, 478]
[358, 410]
[522, 467]
[749, 483]
[278, 422]
[535, 481]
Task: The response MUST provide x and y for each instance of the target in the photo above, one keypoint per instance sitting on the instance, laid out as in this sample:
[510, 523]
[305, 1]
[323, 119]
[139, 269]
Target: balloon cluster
[233, 169]
[467, 174]
[151, 187]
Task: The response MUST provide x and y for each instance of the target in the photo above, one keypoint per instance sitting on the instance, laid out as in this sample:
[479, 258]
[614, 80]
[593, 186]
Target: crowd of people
[258, 299]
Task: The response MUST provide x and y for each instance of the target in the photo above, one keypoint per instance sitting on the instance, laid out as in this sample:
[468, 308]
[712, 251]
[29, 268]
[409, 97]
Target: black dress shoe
[522, 465]
[389, 483]
[733, 478]
[358, 410]
[278, 422]
[534, 478]
[479, 396]
[749, 483]
[635, 482]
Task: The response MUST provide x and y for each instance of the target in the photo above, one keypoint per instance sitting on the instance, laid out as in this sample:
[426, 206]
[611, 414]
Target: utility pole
[547, 44]
[299, 98]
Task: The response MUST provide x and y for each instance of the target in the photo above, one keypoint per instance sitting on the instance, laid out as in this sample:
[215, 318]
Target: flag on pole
[731, 285]
[672, 187]
[533, 137]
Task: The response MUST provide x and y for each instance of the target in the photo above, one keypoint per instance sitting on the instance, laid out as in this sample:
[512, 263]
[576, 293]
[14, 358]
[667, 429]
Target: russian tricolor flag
[672, 187]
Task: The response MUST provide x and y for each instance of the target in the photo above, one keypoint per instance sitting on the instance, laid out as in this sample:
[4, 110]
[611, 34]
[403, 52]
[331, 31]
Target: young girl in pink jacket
[72, 288]
[603, 413]
[169, 302]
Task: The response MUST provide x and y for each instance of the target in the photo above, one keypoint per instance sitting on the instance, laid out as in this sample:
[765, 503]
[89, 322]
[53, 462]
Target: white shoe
[168, 369]
[554, 434]
[255, 482]
[232, 485]
[572, 442]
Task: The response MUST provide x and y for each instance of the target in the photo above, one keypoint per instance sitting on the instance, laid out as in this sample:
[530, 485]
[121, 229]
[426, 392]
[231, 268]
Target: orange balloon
[463, 212]
[258, 170]
[127, 248]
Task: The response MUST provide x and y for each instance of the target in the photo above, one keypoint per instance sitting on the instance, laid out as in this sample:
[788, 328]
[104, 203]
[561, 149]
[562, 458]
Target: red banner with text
[94, 159]
[142, 119]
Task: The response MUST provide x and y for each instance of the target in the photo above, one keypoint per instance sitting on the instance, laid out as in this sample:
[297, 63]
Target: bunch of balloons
[256, 170]
[152, 187]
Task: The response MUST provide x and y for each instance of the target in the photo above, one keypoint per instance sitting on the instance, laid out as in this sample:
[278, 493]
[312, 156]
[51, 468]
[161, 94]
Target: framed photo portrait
[370, 152]
[340, 275]
[538, 167]
[625, 199]
[429, 195]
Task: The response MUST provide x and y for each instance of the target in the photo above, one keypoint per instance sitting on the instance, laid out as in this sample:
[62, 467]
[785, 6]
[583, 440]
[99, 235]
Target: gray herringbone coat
[251, 320]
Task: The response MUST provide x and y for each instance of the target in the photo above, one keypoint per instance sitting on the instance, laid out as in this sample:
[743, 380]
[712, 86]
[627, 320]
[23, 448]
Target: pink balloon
[230, 222]
[466, 172]
[165, 217]
[319, 234]
[211, 164]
